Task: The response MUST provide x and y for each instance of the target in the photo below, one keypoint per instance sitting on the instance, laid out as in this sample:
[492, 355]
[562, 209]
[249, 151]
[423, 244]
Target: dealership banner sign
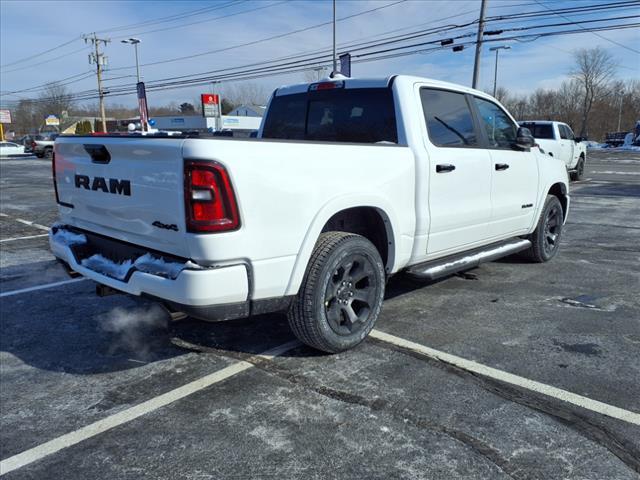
[210, 104]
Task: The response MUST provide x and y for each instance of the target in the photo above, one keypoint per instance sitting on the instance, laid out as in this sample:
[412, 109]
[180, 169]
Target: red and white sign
[210, 104]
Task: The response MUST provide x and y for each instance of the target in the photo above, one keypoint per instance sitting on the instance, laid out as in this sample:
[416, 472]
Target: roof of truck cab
[541, 122]
[378, 82]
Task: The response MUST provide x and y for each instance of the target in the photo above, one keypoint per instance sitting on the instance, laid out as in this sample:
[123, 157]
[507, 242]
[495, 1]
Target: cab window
[448, 118]
[563, 132]
[566, 132]
[501, 130]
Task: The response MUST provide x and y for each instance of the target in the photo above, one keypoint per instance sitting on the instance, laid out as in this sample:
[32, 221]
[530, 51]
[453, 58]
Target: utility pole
[101, 61]
[620, 110]
[335, 61]
[476, 64]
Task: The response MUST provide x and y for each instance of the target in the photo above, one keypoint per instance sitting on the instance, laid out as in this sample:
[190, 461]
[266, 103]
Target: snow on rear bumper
[189, 286]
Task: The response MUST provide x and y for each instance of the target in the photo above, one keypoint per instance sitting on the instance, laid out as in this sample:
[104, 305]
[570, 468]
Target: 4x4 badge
[166, 226]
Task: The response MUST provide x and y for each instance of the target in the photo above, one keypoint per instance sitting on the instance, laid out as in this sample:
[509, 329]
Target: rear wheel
[579, 172]
[545, 240]
[341, 294]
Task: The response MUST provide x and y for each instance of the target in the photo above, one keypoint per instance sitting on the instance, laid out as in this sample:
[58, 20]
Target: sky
[209, 31]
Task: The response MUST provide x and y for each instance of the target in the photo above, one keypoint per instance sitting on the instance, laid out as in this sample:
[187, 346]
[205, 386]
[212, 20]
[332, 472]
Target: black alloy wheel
[341, 293]
[545, 239]
[350, 294]
[552, 229]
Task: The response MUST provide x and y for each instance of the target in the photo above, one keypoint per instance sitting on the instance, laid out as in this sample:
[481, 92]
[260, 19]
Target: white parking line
[548, 390]
[26, 222]
[32, 224]
[609, 172]
[41, 287]
[125, 416]
[23, 238]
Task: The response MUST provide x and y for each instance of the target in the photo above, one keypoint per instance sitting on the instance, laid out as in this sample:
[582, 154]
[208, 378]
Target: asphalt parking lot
[112, 388]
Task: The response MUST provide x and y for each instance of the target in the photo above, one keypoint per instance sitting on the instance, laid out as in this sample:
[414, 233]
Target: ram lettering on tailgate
[114, 185]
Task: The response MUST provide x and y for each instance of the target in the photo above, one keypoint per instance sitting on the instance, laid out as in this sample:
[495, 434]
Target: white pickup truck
[557, 139]
[348, 182]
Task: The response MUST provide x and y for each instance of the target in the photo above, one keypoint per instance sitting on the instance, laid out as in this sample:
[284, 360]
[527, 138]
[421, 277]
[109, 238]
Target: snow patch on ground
[604, 147]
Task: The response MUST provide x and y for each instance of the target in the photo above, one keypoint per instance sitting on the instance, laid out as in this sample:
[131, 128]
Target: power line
[206, 20]
[172, 18]
[35, 55]
[149, 22]
[39, 87]
[594, 33]
[254, 42]
[44, 61]
[304, 65]
[590, 8]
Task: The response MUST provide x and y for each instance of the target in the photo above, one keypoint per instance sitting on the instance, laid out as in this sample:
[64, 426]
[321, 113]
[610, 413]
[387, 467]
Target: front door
[567, 144]
[514, 173]
[460, 172]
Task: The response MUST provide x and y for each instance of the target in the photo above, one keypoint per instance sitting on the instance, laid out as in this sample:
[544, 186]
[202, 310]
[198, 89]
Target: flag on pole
[142, 105]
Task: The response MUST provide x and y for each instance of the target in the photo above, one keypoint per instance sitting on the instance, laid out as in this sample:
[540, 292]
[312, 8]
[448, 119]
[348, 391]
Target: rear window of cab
[539, 130]
[358, 115]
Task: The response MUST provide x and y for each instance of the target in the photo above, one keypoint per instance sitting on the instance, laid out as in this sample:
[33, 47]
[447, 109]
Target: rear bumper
[203, 289]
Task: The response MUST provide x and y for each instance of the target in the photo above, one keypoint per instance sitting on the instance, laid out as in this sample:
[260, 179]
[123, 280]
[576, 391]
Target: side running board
[443, 267]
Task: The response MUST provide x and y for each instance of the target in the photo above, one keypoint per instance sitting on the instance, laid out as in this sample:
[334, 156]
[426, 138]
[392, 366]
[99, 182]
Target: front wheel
[545, 240]
[48, 153]
[579, 172]
[341, 294]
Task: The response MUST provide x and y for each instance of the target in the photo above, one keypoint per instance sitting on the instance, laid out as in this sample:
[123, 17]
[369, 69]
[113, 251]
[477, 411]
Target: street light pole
[335, 61]
[495, 72]
[135, 42]
[135, 46]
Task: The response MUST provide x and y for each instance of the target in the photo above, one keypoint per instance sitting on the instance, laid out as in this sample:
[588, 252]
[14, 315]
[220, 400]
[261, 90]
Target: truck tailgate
[128, 188]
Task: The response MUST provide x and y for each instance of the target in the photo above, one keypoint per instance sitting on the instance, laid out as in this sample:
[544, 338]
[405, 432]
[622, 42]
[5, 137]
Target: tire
[48, 153]
[39, 154]
[545, 240]
[341, 294]
[579, 171]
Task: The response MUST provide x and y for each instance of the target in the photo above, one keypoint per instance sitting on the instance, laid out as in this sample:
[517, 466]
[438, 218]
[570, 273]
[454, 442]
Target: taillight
[209, 199]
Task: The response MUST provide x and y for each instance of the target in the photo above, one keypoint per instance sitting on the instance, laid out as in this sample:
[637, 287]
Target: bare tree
[25, 117]
[54, 100]
[594, 70]
[245, 93]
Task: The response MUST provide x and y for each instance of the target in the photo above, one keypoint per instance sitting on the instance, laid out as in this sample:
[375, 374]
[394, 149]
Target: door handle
[445, 167]
[502, 166]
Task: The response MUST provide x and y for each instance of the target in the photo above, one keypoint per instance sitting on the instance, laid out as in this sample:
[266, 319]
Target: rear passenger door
[514, 173]
[460, 172]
